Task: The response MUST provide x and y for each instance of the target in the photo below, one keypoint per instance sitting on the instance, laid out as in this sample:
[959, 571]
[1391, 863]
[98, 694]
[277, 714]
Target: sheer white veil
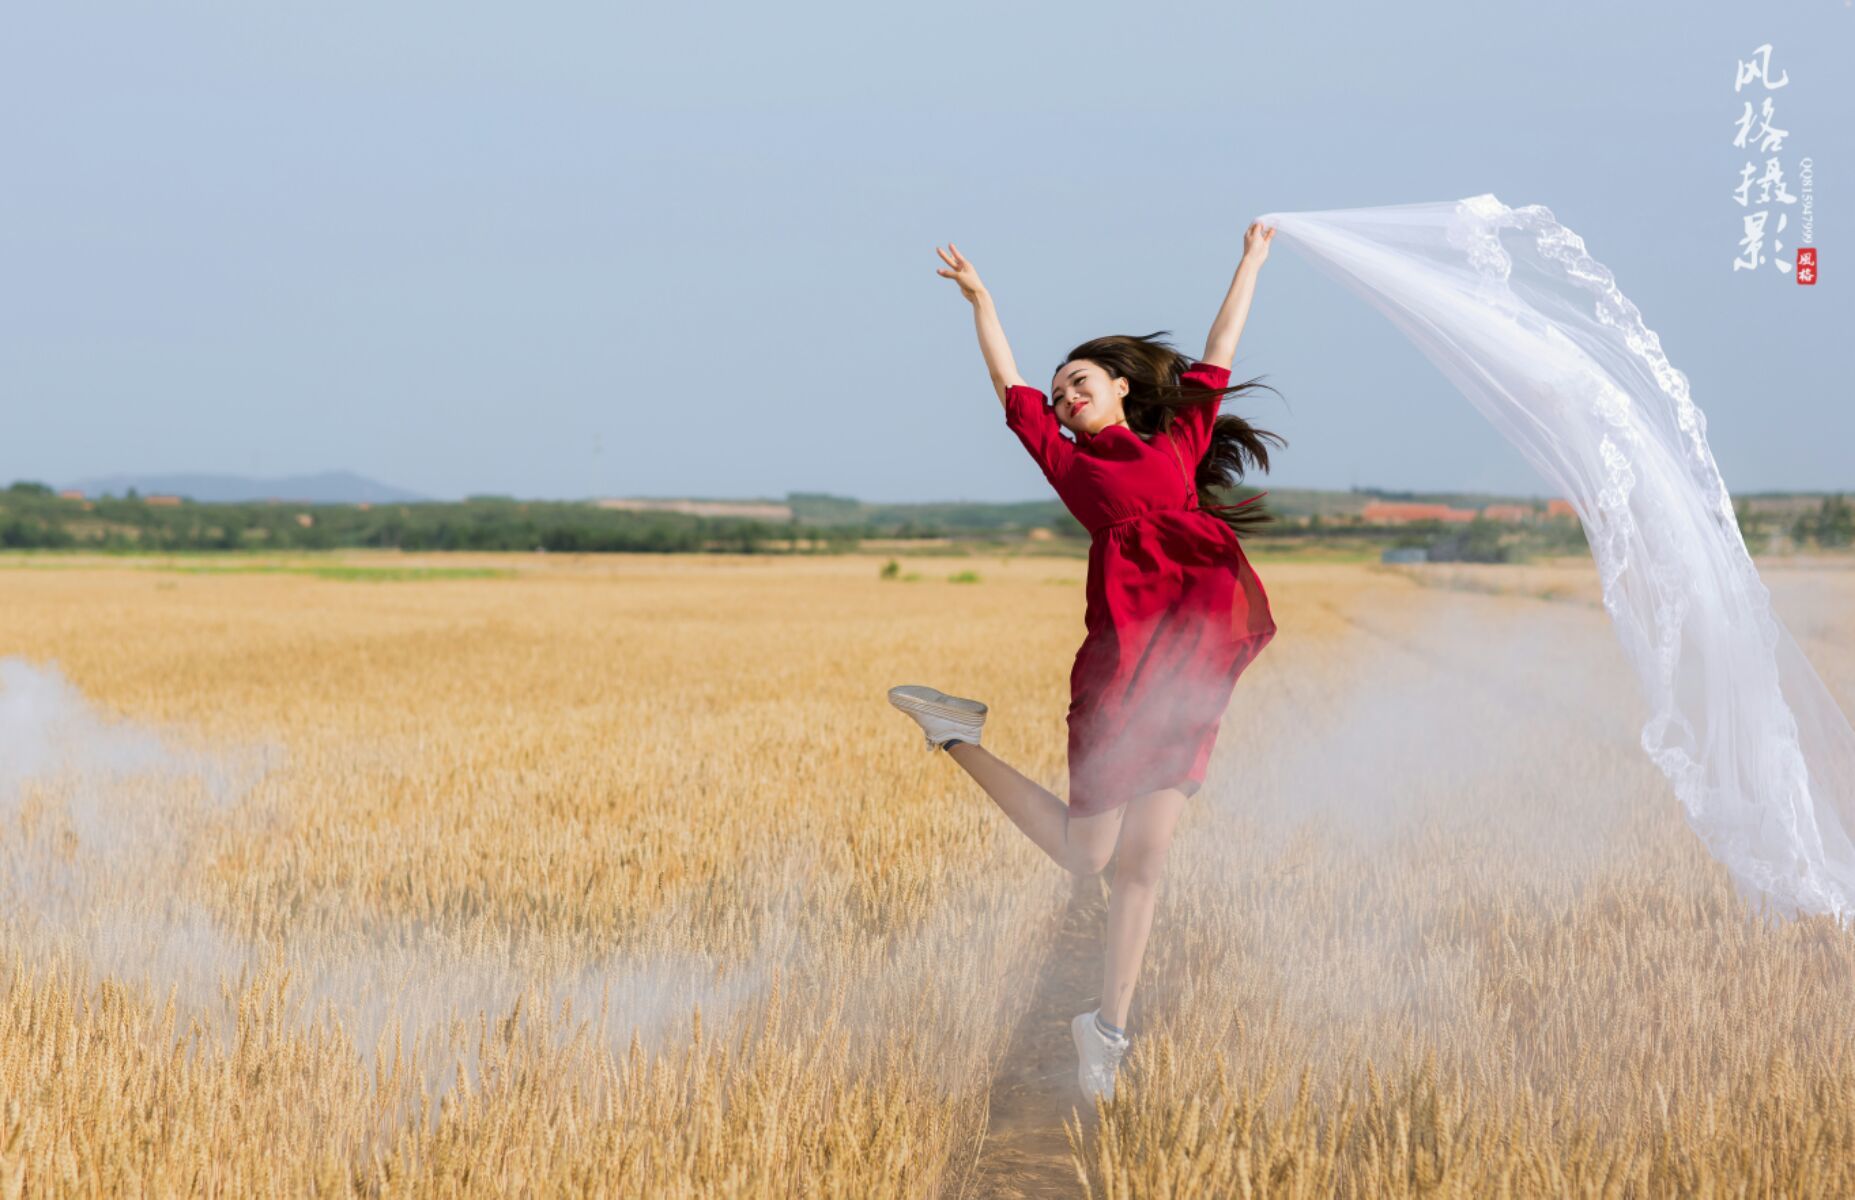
[1534, 332]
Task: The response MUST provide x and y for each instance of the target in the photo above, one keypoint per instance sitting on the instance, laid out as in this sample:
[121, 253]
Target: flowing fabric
[1532, 329]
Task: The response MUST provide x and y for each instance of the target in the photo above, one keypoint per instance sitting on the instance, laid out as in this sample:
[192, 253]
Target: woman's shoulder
[1204, 374]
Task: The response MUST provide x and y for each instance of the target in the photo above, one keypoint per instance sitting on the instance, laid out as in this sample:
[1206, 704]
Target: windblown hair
[1152, 368]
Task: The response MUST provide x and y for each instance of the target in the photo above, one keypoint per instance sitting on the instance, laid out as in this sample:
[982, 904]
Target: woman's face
[1086, 399]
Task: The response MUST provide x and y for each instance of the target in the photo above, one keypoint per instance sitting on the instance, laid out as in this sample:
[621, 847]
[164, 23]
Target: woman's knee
[1090, 860]
[1091, 842]
[1140, 865]
[1147, 838]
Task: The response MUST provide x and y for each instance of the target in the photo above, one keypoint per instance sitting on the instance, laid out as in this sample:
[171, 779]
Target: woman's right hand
[963, 272]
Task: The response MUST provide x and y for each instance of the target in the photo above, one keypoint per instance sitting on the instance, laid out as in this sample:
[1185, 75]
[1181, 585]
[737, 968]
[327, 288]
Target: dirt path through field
[1025, 1153]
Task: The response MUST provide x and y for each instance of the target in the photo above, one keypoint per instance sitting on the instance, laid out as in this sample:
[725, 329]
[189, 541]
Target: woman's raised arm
[992, 343]
[1220, 348]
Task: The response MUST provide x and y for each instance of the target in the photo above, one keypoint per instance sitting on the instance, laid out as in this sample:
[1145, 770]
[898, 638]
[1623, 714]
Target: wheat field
[617, 876]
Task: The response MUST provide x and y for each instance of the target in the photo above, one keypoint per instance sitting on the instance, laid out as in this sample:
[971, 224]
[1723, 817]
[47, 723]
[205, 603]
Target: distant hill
[329, 487]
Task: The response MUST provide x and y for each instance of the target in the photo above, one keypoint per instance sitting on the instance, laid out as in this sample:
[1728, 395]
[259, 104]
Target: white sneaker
[941, 717]
[1100, 1056]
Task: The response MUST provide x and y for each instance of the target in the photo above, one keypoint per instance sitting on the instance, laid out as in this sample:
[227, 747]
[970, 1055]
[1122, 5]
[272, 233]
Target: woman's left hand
[1256, 242]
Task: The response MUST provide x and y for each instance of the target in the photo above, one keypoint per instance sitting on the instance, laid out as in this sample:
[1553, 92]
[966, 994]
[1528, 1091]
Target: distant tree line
[1830, 527]
[32, 516]
[1477, 540]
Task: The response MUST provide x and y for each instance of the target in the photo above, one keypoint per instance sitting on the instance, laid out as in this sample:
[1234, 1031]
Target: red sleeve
[1191, 427]
[1036, 425]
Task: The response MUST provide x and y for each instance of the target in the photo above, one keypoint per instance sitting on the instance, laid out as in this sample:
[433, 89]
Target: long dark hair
[1152, 368]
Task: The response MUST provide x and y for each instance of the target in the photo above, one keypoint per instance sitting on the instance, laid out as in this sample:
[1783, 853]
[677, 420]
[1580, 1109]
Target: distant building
[706, 508]
[1560, 508]
[71, 494]
[1513, 514]
[305, 520]
[1388, 512]
[162, 501]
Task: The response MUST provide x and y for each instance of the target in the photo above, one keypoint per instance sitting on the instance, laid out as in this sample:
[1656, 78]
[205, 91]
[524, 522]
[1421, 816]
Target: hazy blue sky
[677, 250]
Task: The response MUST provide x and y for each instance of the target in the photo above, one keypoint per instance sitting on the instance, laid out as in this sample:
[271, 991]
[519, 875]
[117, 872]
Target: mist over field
[597, 872]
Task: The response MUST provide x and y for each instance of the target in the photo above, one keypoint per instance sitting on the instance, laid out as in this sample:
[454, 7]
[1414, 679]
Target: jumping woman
[1174, 610]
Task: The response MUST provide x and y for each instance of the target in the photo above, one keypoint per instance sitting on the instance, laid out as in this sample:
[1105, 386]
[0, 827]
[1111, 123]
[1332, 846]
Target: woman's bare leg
[1079, 844]
[1146, 834]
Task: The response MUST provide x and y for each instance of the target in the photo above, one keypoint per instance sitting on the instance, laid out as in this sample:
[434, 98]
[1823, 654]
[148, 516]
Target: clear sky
[578, 249]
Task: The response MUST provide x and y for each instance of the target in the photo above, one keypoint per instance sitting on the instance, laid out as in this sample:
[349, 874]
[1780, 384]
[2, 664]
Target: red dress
[1175, 610]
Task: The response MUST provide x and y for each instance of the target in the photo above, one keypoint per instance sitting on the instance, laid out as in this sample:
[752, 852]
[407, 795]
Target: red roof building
[1387, 512]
